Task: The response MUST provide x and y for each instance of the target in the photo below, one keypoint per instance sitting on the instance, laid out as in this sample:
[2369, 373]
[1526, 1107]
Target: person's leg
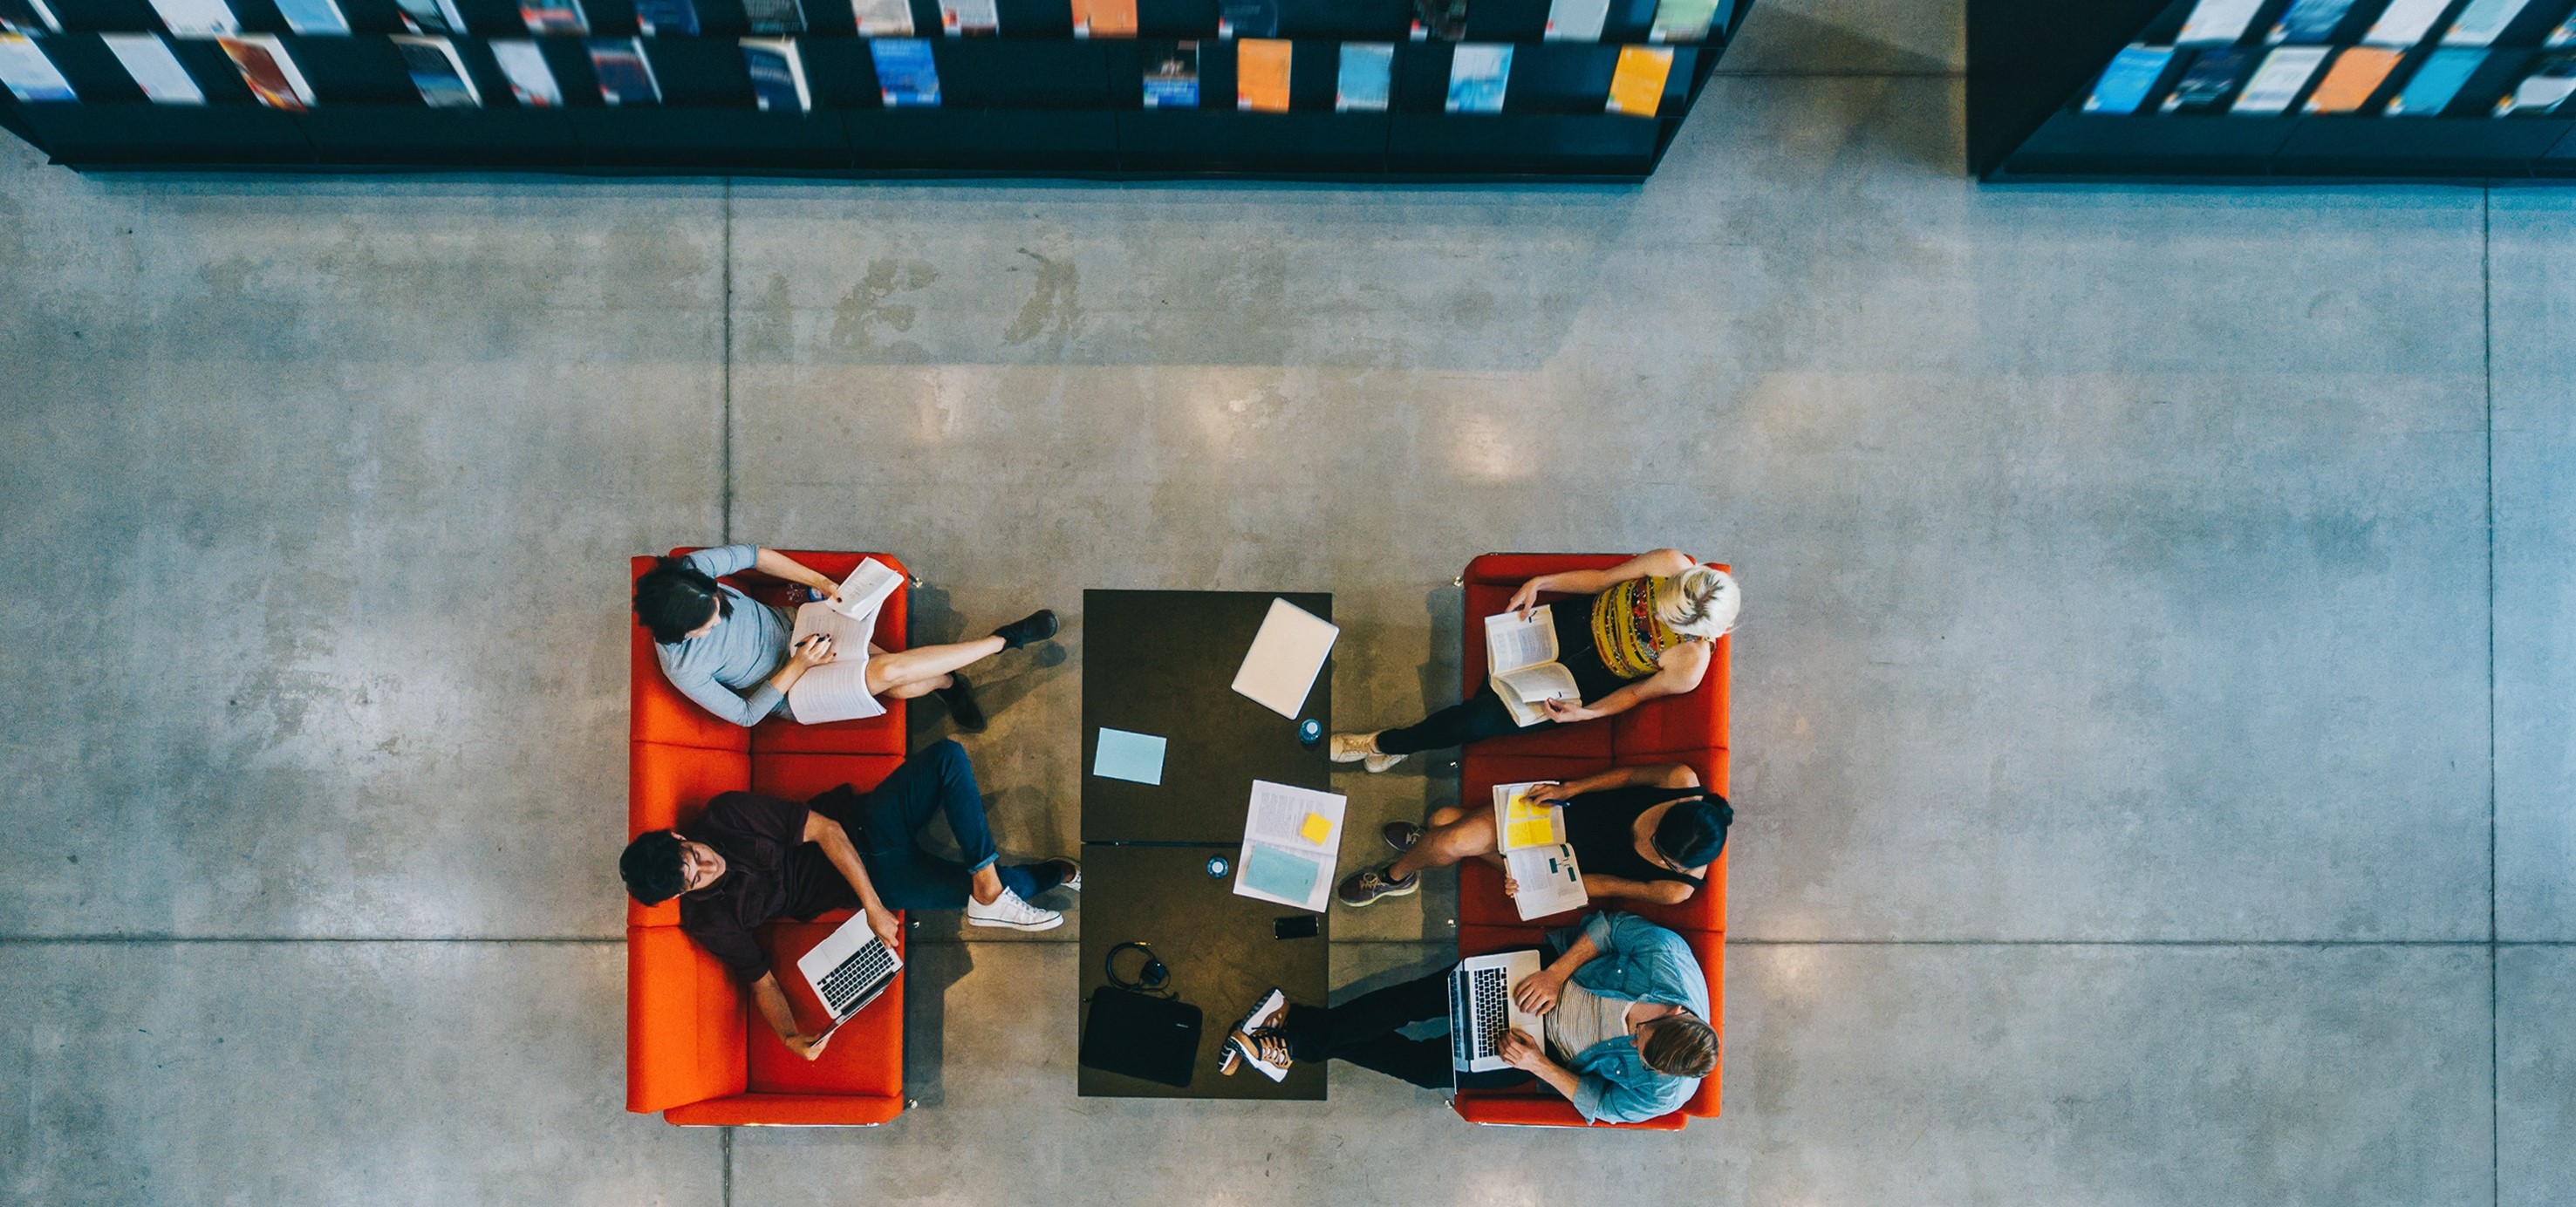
[1324, 1032]
[935, 780]
[1474, 719]
[903, 668]
[1464, 834]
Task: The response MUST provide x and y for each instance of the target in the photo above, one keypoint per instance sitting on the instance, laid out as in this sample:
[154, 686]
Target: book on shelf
[155, 70]
[1684, 20]
[197, 18]
[1261, 74]
[431, 16]
[553, 17]
[1171, 75]
[438, 72]
[2405, 22]
[28, 17]
[2211, 81]
[2564, 35]
[2311, 21]
[2545, 90]
[666, 18]
[1637, 82]
[1104, 18]
[777, 76]
[1521, 656]
[1576, 20]
[1478, 74]
[2437, 81]
[312, 17]
[2482, 22]
[1362, 80]
[532, 82]
[958, 18]
[2355, 77]
[1247, 18]
[2217, 22]
[906, 75]
[2269, 91]
[883, 18]
[625, 75]
[1445, 19]
[31, 76]
[2132, 75]
[774, 18]
[268, 70]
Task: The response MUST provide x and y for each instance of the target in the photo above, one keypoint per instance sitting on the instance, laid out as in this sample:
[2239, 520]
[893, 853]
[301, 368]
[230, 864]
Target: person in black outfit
[1641, 833]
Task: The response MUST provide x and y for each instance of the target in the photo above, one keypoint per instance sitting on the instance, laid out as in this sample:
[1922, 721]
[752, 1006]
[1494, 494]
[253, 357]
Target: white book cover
[1545, 880]
[155, 70]
[883, 18]
[969, 17]
[1576, 20]
[1285, 657]
[1520, 662]
[1290, 838]
[531, 81]
[836, 690]
[2218, 22]
[30, 75]
[867, 588]
[2279, 79]
[2483, 21]
[2405, 22]
[199, 18]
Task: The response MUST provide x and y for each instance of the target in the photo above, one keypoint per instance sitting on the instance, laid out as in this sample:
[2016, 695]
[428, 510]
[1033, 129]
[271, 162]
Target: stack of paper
[1290, 839]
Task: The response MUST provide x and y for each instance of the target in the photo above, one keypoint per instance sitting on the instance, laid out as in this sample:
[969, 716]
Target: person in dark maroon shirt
[751, 859]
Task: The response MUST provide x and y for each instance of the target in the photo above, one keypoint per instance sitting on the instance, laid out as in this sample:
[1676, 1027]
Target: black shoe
[1035, 627]
[959, 696]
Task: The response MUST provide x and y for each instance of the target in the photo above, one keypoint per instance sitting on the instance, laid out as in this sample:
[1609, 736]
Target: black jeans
[1473, 719]
[1363, 1032]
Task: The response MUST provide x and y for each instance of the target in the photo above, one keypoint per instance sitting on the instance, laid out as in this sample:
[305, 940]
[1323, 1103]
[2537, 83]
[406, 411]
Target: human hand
[887, 926]
[1537, 992]
[814, 651]
[1549, 792]
[1511, 887]
[1520, 1051]
[807, 1046]
[1567, 712]
[1526, 598]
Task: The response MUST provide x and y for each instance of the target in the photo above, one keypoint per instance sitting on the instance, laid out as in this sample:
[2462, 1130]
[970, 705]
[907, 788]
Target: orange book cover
[2355, 75]
[1261, 74]
[1637, 86]
[1104, 18]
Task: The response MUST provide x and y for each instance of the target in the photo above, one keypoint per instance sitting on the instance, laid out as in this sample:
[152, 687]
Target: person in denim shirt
[1624, 1002]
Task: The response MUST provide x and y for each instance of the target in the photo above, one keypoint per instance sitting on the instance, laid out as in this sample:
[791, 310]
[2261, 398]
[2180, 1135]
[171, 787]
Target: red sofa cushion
[882, 734]
[789, 1110]
[659, 713]
[667, 787]
[1480, 884]
[1538, 1106]
[855, 1062]
[684, 1022]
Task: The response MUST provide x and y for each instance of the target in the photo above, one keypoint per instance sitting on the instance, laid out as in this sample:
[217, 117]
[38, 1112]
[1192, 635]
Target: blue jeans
[890, 818]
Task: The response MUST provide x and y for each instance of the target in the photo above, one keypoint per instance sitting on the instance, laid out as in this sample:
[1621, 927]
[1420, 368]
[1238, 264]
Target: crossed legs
[919, 671]
[1455, 834]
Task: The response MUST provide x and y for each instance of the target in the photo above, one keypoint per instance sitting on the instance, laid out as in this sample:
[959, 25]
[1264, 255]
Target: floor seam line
[725, 437]
[2495, 1004]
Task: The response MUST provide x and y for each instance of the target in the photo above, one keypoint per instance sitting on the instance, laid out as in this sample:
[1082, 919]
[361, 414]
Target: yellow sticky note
[1316, 829]
[1532, 833]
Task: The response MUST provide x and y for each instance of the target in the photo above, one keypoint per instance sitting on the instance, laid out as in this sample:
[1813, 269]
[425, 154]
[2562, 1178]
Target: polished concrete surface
[2151, 724]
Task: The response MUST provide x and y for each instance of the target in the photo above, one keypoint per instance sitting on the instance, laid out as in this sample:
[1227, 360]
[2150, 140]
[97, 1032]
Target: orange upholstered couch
[1687, 729]
[695, 1049]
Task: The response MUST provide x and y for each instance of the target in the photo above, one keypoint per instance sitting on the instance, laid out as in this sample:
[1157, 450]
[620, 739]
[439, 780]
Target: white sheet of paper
[1134, 757]
[1278, 812]
[1547, 879]
[1286, 655]
[1512, 643]
[836, 690]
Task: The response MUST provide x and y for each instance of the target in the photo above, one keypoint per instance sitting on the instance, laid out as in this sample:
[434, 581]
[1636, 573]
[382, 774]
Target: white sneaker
[1008, 910]
[1361, 748]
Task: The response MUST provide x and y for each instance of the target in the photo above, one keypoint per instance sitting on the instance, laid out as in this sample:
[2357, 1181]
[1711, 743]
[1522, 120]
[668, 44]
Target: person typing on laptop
[1623, 1007]
[751, 859]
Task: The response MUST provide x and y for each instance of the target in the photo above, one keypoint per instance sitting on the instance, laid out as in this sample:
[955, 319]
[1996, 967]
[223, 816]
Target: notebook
[1290, 649]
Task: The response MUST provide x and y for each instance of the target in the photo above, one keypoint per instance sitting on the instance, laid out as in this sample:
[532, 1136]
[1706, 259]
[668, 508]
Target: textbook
[2357, 73]
[2278, 81]
[2211, 82]
[2130, 77]
[960, 17]
[197, 18]
[30, 75]
[532, 83]
[265, 67]
[1171, 75]
[625, 76]
[155, 70]
[553, 17]
[1478, 75]
[2552, 80]
[905, 74]
[2482, 22]
[778, 86]
[1520, 656]
[1637, 85]
[1576, 20]
[883, 18]
[663, 18]
[1545, 880]
[313, 16]
[2311, 21]
[2217, 22]
[1261, 74]
[1104, 18]
[773, 17]
[1291, 836]
[437, 72]
[1366, 69]
[2436, 82]
[2405, 22]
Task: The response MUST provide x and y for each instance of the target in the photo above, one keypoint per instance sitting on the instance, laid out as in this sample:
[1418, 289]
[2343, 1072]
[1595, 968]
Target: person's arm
[1538, 993]
[780, 566]
[835, 841]
[1652, 775]
[772, 1001]
[1660, 563]
[1677, 673]
[1530, 1056]
[1656, 892]
[749, 710]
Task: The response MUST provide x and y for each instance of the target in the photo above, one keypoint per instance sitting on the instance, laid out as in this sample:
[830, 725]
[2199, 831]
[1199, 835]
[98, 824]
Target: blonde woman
[1639, 630]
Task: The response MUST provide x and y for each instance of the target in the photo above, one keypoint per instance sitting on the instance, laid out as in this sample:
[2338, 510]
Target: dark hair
[1681, 1045]
[1694, 831]
[651, 867]
[675, 597]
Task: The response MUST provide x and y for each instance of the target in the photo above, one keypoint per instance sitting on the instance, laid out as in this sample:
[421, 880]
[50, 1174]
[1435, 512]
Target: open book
[1521, 820]
[838, 690]
[1290, 839]
[1520, 656]
[1548, 881]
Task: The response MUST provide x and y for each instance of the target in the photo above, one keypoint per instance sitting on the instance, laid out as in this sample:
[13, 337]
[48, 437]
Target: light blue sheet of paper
[1136, 757]
[1279, 873]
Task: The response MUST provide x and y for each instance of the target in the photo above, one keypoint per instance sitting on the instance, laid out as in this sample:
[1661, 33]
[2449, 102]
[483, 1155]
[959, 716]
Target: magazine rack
[2032, 65]
[1032, 100]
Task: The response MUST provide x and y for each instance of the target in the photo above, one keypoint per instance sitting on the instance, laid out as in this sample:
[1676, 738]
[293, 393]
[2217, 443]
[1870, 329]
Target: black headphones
[1151, 976]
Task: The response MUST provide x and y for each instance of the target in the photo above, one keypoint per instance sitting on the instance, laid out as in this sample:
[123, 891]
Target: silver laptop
[848, 970]
[1481, 1009]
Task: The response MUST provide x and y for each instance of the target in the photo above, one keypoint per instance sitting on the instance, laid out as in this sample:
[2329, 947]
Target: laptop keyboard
[1485, 999]
[855, 976]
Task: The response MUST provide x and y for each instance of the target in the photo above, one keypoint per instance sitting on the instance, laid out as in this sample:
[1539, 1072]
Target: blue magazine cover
[1477, 76]
[2311, 21]
[1366, 69]
[2437, 81]
[2126, 82]
[1171, 75]
[905, 73]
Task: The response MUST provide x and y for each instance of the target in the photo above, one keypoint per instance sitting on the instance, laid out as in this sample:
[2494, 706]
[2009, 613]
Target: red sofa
[1687, 729]
[695, 1049]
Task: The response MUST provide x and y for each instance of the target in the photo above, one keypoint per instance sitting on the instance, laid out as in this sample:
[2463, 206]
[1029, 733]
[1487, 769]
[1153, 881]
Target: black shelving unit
[1033, 100]
[2033, 63]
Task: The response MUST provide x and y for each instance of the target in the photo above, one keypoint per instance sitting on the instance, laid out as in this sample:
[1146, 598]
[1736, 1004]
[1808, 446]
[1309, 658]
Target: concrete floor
[2152, 728]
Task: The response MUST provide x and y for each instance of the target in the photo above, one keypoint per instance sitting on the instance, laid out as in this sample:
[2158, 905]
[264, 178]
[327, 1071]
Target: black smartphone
[1303, 926]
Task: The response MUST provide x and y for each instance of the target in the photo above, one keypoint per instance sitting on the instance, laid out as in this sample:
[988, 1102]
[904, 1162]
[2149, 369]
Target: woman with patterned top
[1642, 629]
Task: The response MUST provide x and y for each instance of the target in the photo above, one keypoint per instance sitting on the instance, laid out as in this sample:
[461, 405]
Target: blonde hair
[1700, 602]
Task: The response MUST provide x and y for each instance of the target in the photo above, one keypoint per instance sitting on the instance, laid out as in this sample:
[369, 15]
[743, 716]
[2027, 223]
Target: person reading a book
[742, 659]
[1624, 1008]
[750, 859]
[1644, 628]
[1639, 833]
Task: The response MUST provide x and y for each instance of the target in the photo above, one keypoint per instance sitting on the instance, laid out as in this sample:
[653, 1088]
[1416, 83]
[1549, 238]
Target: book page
[1512, 643]
[1522, 822]
[1290, 837]
[1547, 879]
[836, 690]
[1531, 684]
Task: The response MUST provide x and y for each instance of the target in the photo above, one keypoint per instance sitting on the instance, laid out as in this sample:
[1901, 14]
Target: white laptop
[1481, 1009]
[848, 970]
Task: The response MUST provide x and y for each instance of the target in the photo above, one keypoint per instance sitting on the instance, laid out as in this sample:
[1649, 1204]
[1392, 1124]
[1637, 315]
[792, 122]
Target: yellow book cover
[1637, 87]
[1261, 74]
[2354, 76]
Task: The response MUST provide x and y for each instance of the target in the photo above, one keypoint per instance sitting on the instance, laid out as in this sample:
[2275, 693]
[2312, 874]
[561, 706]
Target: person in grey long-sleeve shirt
[732, 655]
